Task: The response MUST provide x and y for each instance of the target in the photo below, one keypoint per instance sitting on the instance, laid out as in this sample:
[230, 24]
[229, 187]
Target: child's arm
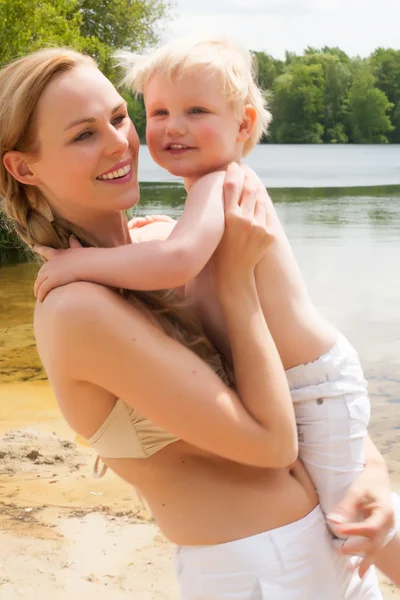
[146, 266]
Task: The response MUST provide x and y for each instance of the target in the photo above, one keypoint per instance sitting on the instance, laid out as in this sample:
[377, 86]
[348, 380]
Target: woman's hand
[246, 236]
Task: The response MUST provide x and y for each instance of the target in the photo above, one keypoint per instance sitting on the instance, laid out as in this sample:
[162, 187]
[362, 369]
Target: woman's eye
[85, 135]
[118, 120]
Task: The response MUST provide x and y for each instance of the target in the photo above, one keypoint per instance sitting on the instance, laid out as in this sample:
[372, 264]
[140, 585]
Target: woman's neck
[105, 230]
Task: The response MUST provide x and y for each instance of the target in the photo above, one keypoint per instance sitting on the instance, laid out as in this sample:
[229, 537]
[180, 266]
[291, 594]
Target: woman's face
[88, 156]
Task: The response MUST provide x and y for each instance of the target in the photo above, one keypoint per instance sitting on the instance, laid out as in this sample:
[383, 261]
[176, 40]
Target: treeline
[324, 96]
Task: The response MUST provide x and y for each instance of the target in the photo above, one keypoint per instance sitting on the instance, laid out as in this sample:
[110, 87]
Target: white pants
[294, 562]
[332, 407]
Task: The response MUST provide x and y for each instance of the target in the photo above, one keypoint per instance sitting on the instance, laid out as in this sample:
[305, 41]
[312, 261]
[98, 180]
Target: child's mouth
[177, 148]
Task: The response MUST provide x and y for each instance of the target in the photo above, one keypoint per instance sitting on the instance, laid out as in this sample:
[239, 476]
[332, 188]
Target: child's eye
[160, 113]
[196, 110]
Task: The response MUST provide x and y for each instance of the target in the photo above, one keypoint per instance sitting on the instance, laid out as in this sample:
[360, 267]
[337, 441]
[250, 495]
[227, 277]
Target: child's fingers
[357, 546]
[41, 291]
[45, 251]
[138, 222]
[364, 566]
[163, 218]
[74, 242]
[41, 276]
[135, 222]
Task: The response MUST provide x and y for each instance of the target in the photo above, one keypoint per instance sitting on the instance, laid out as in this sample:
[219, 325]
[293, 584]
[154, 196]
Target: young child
[204, 111]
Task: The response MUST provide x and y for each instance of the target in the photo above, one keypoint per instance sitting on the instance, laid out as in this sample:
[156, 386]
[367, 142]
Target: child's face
[191, 128]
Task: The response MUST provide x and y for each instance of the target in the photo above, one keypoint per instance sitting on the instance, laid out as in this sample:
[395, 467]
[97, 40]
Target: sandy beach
[65, 534]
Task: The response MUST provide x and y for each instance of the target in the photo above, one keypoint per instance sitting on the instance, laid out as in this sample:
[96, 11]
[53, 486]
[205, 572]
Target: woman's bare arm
[88, 333]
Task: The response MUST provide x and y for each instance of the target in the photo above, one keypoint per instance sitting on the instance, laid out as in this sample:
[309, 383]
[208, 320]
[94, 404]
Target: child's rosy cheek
[209, 133]
[151, 135]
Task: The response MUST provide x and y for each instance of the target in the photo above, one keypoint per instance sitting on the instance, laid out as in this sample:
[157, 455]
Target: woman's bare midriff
[200, 499]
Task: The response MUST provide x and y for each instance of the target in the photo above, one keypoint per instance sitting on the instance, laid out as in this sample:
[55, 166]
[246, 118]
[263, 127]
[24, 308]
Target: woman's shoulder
[73, 300]
[80, 306]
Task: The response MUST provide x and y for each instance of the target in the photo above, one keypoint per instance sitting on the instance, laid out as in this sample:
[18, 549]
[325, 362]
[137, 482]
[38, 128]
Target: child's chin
[185, 173]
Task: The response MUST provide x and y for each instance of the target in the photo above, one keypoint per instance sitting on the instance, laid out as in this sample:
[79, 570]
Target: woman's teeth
[116, 174]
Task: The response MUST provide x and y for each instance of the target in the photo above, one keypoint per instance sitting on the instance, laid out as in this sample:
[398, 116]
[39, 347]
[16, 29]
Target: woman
[134, 374]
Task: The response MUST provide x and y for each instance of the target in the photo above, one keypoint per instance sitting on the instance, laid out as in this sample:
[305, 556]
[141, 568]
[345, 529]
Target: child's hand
[377, 513]
[60, 268]
[138, 222]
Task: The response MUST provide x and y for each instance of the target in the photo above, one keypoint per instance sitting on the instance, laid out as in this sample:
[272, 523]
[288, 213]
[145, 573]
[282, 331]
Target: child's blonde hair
[233, 63]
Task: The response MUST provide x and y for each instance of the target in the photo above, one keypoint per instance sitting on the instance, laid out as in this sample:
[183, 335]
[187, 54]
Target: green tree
[268, 69]
[27, 26]
[369, 108]
[386, 68]
[137, 113]
[298, 105]
[121, 24]
[337, 80]
[98, 27]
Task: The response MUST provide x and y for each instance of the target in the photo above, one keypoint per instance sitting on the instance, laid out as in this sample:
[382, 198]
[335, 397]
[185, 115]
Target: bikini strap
[96, 473]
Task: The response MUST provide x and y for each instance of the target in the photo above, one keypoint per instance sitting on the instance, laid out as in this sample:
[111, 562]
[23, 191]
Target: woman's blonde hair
[22, 84]
[232, 63]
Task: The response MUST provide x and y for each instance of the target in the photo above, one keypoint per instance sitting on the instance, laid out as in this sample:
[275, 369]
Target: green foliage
[137, 113]
[325, 96]
[369, 108]
[121, 24]
[386, 68]
[298, 105]
[11, 247]
[337, 80]
[27, 26]
[98, 27]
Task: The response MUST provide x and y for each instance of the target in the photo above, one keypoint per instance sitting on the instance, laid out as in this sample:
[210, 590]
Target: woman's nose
[117, 142]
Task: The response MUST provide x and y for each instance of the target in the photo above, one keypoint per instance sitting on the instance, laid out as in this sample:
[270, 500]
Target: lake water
[346, 239]
[307, 166]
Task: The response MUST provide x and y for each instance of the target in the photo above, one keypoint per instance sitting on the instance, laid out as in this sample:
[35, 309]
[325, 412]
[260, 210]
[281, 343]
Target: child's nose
[175, 126]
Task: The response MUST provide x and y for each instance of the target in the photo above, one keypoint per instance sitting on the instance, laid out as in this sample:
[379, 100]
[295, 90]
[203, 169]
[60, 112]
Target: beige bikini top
[126, 434]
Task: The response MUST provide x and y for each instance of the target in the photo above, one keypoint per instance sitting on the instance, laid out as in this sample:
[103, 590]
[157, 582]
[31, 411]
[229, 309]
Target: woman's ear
[248, 122]
[16, 164]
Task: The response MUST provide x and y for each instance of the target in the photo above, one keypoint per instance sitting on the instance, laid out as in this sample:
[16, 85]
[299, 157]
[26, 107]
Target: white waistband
[251, 552]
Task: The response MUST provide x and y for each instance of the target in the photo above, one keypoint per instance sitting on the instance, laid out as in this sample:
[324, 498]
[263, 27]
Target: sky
[274, 26]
